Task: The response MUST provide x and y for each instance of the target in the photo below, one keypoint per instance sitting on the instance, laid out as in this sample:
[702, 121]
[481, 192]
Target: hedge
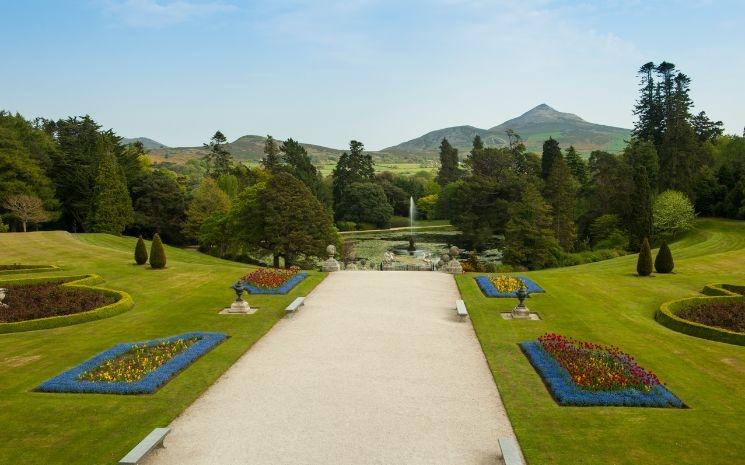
[30, 269]
[88, 282]
[667, 315]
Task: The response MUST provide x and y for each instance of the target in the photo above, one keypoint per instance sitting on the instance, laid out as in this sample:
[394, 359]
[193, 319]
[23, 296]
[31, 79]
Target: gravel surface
[374, 369]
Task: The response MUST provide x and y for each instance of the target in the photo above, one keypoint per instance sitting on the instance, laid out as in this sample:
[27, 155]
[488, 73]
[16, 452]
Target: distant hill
[534, 126]
[149, 144]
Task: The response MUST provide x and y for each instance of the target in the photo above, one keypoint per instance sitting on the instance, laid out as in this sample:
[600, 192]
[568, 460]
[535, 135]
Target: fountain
[412, 215]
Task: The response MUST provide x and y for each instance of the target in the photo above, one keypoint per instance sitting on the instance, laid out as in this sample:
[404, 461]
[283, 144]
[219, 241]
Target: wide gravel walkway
[374, 369]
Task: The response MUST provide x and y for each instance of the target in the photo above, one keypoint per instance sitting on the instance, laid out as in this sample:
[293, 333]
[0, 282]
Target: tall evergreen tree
[577, 165]
[271, 154]
[218, 158]
[297, 162]
[639, 152]
[551, 152]
[478, 144]
[561, 189]
[355, 166]
[449, 170]
[640, 219]
[111, 204]
[649, 123]
[529, 236]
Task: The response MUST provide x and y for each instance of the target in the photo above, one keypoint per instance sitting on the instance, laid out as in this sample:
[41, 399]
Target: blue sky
[378, 71]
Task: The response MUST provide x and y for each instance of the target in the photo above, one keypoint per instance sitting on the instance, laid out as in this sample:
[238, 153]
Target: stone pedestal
[331, 265]
[520, 312]
[240, 306]
[453, 267]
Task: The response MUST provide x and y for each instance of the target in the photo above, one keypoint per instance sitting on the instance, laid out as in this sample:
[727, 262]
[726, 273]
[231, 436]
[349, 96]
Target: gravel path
[374, 369]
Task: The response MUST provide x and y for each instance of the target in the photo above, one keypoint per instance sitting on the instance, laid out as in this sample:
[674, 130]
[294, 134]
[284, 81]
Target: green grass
[605, 302]
[95, 428]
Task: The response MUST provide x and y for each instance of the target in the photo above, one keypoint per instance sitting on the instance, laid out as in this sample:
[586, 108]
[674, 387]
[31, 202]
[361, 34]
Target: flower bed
[134, 368]
[728, 315]
[85, 283]
[508, 285]
[42, 300]
[272, 280]
[584, 374]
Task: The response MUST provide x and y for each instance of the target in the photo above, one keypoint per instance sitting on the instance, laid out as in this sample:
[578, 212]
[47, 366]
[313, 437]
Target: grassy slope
[604, 302]
[99, 429]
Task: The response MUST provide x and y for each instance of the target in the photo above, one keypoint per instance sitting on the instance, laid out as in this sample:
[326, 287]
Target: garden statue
[452, 265]
[412, 245]
[239, 305]
[3, 292]
[331, 264]
[521, 311]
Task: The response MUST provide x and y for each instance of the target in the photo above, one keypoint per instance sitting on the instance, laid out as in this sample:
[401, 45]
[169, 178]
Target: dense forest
[542, 210]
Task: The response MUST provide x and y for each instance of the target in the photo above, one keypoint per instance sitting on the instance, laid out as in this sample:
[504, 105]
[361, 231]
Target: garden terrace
[606, 302]
[185, 297]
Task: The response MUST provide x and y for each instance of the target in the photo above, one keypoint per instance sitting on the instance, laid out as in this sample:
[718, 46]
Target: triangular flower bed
[579, 373]
[134, 368]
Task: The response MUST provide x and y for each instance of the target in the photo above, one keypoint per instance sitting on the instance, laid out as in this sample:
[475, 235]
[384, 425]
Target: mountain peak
[539, 115]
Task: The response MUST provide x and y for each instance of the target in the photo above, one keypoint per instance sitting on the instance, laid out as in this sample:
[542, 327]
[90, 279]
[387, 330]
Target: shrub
[400, 222]
[140, 252]
[157, 253]
[663, 263]
[644, 264]
[346, 225]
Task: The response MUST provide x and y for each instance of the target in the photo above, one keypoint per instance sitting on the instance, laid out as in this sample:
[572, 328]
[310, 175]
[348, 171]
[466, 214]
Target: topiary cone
[663, 263]
[140, 252]
[157, 253]
[644, 264]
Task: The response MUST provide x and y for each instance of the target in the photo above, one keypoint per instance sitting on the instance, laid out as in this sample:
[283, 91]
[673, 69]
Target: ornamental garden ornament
[521, 311]
[239, 305]
[3, 292]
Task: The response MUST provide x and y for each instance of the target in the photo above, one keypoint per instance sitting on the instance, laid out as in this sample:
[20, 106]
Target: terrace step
[510, 451]
[151, 441]
[295, 305]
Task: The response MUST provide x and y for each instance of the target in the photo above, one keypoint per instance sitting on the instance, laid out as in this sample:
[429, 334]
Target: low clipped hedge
[27, 269]
[667, 315]
[89, 281]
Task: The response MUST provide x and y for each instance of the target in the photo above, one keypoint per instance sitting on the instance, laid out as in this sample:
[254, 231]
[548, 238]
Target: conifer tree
[111, 204]
[218, 158]
[644, 262]
[577, 165]
[140, 252]
[640, 212]
[663, 263]
[529, 237]
[352, 167]
[478, 144]
[157, 253]
[270, 162]
[561, 189]
[449, 169]
[551, 152]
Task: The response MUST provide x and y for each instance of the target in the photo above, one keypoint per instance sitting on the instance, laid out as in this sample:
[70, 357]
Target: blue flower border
[283, 289]
[489, 290]
[69, 382]
[566, 392]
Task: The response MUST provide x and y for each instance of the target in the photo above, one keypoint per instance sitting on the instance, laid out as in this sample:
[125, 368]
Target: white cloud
[154, 13]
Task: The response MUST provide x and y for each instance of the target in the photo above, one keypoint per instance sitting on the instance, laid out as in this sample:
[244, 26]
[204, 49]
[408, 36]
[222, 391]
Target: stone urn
[452, 265]
[3, 293]
[239, 305]
[331, 264]
[521, 311]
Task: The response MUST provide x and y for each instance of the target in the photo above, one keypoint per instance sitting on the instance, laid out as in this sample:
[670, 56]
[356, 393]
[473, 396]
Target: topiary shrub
[140, 252]
[644, 264]
[157, 253]
[663, 263]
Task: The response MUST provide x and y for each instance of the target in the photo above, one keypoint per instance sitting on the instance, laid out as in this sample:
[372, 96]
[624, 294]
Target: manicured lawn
[43, 428]
[605, 303]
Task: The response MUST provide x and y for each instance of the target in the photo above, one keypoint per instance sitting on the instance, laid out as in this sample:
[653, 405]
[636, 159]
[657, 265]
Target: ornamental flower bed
[272, 280]
[44, 300]
[134, 368]
[502, 286]
[584, 374]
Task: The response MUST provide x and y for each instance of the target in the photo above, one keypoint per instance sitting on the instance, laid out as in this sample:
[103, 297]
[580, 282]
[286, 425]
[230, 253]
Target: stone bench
[295, 305]
[460, 307]
[151, 441]
[510, 451]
